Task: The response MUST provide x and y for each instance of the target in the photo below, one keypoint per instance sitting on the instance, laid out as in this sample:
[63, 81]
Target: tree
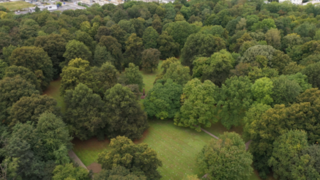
[114, 48]
[180, 31]
[262, 89]
[167, 46]
[163, 100]
[150, 37]
[235, 98]
[285, 160]
[250, 54]
[178, 73]
[125, 116]
[139, 26]
[200, 45]
[279, 61]
[84, 112]
[285, 90]
[55, 46]
[273, 38]
[150, 59]
[69, 172]
[24, 73]
[117, 172]
[134, 48]
[30, 108]
[101, 55]
[11, 90]
[55, 138]
[35, 59]
[215, 68]
[312, 166]
[3, 67]
[301, 79]
[198, 108]
[132, 75]
[264, 24]
[76, 49]
[226, 158]
[127, 26]
[312, 72]
[140, 159]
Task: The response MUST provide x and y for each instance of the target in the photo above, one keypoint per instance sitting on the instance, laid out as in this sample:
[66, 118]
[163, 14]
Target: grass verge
[16, 5]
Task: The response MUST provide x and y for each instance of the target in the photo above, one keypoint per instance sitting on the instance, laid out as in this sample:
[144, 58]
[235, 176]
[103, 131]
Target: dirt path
[209, 133]
[75, 158]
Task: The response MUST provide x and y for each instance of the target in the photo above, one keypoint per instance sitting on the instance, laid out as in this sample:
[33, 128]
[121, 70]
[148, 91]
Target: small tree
[132, 75]
[76, 49]
[150, 59]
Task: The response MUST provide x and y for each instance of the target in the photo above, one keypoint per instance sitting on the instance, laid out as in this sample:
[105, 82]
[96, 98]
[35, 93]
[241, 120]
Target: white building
[298, 2]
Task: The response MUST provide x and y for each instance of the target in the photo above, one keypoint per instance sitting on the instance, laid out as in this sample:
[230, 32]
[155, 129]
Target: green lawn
[54, 91]
[148, 78]
[177, 147]
[16, 5]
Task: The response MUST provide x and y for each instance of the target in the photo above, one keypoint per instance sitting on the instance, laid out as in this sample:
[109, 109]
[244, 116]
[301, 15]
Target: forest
[243, 64]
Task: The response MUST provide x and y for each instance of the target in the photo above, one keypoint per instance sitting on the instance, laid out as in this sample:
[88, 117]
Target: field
[177, 147]
[148, 77]
[54, 91]
[16, 5]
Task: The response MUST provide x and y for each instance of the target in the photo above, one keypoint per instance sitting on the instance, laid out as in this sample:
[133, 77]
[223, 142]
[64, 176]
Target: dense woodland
[241, 63]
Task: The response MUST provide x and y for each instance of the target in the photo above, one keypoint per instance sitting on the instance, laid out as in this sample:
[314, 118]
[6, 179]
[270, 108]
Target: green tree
[262, 89]
[178, 73]
[84, 112]
[200, 45]
[30, 108]
[132, 75]
[125, 116]
[76, 49]
[226, 158]
[312, 71]
[101, 55]
[55, 46]
[285, 160]
[306, 29]
[273, 38]
[118, 172]
[127, 26]
[163, 100]
[312, 155]
[139, 158]
[150, 59]
[11, 90]
[250, 54]
[235, 98]
[167, 46]
[3, 67]
[114, 48]
[198, 108]
[35, 59]
[301, 79]
[134, 48]
[150, 37]
[215, 68]
[69, 172]
[7, 51]
[264, 24]
[24, 73]
[285, 90]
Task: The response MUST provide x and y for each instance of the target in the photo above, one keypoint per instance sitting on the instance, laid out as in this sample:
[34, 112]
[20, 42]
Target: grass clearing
[16, 5]
[54, 91]
[177, 147]
[149, 77]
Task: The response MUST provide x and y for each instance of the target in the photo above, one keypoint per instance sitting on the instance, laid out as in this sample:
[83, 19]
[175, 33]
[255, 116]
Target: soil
[52, 89]
[144, 135]
[95, 167]
[92, 143]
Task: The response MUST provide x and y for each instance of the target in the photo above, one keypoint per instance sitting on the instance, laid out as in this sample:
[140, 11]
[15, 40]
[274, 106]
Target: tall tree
[132, 75]
[125, 116]
[134, 48]
[216, 68]
[11, 90]
[226, 158]
[285, 90]
[76, 49]
[198, 108]
[273, 38]
[200, 45]
[114, 47]
[285, 160]
[167, 46]
[163, 100]
[178, 73]
[117, 172]
[150, 37]
[312, 72]
[35, 59]
[30, 108]
[140, 159]
[69, 172]
[101, 55]
[262, 89]
[84, 112]
[235, 98]
[150, 59]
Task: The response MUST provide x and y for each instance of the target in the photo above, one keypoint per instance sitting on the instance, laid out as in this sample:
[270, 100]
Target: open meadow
[12, 6]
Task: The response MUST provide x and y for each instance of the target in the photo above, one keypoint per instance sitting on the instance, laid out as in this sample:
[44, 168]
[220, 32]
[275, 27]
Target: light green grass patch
[16, 5]
[54, 91]
[149, 77]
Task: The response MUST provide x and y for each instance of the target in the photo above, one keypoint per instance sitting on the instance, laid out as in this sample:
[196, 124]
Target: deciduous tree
[134, 48]
[150, 59]
[150, 37]
[132, 75]
[167, 46]
[76, 49]
[69, 172]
